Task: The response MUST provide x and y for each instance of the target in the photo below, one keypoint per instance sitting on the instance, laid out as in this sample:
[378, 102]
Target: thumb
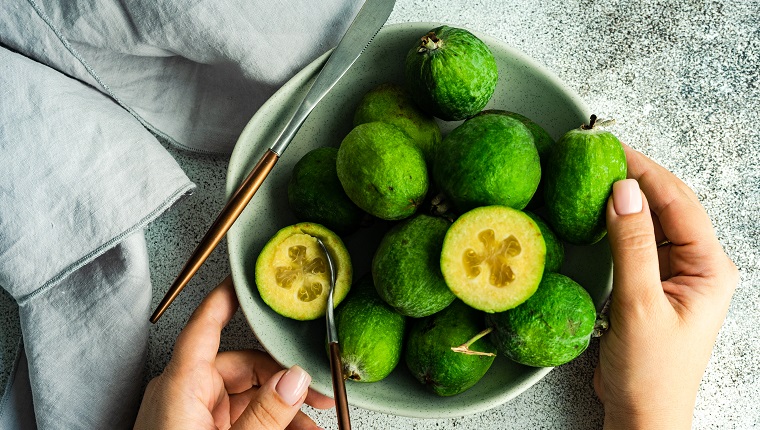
[636, 270]
[276, 402]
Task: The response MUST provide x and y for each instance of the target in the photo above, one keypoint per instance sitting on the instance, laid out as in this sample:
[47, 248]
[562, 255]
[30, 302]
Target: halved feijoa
[370, 334]
[493, 258]
[551, 328]
[430, 349]
[292, 273]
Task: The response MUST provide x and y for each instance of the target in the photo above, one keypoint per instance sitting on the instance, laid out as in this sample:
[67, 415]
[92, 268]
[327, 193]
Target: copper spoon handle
[339, 387]
[224, 221]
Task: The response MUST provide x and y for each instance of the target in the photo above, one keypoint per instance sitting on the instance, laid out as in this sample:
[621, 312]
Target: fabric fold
[85, 86]
[80, 179]
[192, 72]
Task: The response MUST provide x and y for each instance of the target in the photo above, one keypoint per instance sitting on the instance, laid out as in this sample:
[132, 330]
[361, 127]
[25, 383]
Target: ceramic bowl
[524, 87]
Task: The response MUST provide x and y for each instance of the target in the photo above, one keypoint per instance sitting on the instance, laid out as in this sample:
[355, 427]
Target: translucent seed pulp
[301, 268]
[494, 254]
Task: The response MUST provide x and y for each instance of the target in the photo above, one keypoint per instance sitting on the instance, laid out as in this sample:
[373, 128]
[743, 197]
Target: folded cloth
[191, 71]
[80, 81]
[88, 336]
[79, 176]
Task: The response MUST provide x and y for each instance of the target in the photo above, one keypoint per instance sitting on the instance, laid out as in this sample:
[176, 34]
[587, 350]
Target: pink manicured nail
[626, 197]
[293, 385]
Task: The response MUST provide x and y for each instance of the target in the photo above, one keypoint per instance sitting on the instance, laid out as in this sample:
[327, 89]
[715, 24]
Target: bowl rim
[233, 178]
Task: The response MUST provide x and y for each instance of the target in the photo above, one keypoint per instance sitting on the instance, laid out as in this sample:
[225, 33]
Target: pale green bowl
[524, 87]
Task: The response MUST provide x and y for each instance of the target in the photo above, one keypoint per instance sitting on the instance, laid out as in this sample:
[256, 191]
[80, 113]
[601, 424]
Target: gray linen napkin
[80, 176]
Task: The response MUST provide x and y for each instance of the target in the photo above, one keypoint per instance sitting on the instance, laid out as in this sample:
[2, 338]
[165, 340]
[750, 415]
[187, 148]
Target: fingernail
[293, 385]
[626, 197]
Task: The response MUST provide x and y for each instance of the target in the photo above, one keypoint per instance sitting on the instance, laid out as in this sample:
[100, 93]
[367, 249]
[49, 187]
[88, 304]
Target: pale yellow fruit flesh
[292, 273]
[493, 258]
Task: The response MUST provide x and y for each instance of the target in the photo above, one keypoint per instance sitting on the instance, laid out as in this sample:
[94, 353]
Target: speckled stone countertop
[682, 78]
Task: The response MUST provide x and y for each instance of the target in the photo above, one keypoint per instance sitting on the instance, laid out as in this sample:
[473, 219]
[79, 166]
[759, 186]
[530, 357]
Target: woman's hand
[672, 285]
[204, 388]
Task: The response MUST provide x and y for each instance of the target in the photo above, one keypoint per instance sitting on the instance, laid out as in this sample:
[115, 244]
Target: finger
[318, 400]
[681, 216]
[199, 340]
[277, 402]
[302, 422]
[239, 402]
[636, 271]
[242, 370]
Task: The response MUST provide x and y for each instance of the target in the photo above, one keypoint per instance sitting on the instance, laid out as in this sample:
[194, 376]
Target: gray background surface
[682, 78]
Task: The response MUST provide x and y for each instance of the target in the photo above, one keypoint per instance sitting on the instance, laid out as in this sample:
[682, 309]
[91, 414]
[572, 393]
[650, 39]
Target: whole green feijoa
[544, 143]
[429, 355]
[316, 195]
[555, 250]
[549, 329]
[541, 137]
[370, 334]
[382, 170]
[406, 266]
[489, 159]
[392, 103]
[580, 172]
[450, 73]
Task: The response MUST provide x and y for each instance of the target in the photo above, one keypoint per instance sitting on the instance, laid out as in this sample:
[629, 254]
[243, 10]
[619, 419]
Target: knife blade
[367, 22]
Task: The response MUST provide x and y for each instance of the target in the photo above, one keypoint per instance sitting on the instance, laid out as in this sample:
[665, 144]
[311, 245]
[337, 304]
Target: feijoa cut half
[292, 275]
[493, 258]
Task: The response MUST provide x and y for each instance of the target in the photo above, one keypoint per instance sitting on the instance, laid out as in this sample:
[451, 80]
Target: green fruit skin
[454, 81]
[428, 350]
[488, 160]
[382, 171]
[316, 195]
[391, 103]
[555, 250]
[370, 334]
[544, 144]
[406, 267]
[579, 177]
[549, 329]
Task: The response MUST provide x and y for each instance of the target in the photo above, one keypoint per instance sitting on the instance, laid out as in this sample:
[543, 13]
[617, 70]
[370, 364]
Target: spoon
[336, 366]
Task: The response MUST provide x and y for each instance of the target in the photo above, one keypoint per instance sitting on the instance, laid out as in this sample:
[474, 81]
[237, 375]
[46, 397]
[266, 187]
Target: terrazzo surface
[682, 78]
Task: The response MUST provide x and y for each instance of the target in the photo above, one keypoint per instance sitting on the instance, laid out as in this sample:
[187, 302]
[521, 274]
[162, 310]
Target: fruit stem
[602, 323]
[590, 124]
[465, 347]
[596, 122]
[429, 42]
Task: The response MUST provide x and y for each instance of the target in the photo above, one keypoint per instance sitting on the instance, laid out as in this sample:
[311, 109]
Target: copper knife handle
[339, 387]
[218, 229]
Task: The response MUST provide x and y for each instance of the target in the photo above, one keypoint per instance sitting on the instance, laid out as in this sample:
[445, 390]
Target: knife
[371, 17]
